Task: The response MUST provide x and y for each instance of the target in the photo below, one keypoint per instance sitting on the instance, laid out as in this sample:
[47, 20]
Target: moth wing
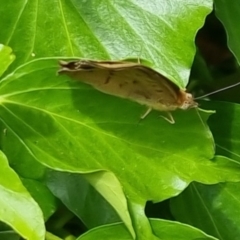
[124, 79]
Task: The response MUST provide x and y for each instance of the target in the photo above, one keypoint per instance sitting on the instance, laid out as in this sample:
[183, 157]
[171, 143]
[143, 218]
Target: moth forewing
[116, 65]
[131, 81]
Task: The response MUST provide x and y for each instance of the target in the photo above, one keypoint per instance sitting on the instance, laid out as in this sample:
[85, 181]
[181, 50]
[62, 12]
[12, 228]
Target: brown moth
[132, 81]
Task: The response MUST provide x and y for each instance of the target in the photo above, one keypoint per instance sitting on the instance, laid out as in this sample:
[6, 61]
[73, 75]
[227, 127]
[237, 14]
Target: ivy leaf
[161, 32]
[229, 15]
[49, 116]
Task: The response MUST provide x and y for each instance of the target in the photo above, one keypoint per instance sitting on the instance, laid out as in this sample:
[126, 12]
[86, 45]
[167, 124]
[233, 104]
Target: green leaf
[227, 140]
[18, 209]
[161, 32]
[6, 58]
[66, 187]
[214, 209]
[109, 187]
[175, 230]
[228, 13]
[166, 230]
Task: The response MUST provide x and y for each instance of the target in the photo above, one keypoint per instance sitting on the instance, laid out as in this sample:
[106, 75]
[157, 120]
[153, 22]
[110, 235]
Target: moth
[132, 81]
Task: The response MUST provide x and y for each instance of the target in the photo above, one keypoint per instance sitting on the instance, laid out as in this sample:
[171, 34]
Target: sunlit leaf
[18, 209]
[52, 121]
[161, 32]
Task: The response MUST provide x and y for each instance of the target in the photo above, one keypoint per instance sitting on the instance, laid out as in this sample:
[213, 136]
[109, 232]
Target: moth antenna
[219, 90]
[200, 118]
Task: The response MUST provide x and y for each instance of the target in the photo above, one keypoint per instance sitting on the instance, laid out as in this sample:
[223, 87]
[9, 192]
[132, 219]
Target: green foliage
[15, 201]
[63, 140]
[228, 14]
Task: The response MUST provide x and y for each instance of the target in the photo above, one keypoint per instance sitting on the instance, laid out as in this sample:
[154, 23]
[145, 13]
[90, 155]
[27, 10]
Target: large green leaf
[153, 160]
[50, 116]
[18, 209]
[160, 31]
[214, 209]
[228, 13]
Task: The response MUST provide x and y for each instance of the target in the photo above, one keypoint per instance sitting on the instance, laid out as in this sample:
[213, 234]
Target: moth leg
[169, 118]
[146, 113]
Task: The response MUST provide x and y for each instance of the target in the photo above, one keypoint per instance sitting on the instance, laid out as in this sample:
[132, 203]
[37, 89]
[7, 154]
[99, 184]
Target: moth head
[187, 101]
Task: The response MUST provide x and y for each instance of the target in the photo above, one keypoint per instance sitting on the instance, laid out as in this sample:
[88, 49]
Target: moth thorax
[187, 101]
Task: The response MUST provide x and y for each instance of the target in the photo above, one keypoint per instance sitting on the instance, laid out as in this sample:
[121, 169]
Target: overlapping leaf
[51, 119]
[229, 16]
[166, 229]
[27, 220]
